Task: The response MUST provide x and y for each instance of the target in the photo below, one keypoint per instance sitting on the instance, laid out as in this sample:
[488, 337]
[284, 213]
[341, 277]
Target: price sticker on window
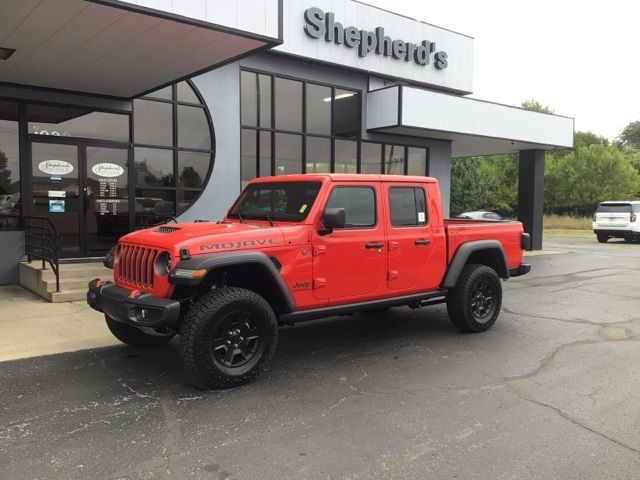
[302, 208]
[421, 217]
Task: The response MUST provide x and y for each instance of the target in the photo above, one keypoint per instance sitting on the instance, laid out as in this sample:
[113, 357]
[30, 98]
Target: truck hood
[205, 237]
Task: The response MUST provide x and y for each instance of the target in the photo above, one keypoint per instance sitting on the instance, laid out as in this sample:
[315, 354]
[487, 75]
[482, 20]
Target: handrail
[42, 241]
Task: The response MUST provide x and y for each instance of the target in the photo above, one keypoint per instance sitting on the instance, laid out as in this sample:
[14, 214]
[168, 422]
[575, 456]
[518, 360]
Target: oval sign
[55, 167]
[107, 170]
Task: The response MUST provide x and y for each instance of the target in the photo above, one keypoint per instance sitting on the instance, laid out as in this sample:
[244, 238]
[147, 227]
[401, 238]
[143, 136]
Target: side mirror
[333, 218]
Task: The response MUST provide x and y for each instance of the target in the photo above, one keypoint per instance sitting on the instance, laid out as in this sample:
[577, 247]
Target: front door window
[106, 208]
[56, 190]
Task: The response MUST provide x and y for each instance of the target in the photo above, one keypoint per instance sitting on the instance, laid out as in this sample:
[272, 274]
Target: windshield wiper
[271, 222]
[239, 217]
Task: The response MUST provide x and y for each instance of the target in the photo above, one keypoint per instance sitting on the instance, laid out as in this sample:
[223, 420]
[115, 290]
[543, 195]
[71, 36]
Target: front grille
[136, 265]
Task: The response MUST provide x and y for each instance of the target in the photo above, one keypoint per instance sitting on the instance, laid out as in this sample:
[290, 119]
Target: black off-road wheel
[135, 337]
[602, 238]
[228, 337]
[474, 304]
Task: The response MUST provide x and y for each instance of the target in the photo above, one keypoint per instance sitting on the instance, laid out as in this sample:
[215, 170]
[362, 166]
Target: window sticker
[421, 217]
[56, 206]
[302, 208]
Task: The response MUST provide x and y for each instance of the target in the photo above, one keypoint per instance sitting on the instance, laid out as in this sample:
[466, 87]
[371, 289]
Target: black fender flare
[463, 253]
[214, 261]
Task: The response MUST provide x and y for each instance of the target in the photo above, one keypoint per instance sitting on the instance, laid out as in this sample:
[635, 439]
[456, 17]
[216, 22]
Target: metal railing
[42, 241]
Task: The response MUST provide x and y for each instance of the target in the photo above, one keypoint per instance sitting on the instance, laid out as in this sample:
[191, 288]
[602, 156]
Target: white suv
[617, 220]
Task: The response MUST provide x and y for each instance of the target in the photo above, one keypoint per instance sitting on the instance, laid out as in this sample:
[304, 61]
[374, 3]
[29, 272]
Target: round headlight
[163, 264]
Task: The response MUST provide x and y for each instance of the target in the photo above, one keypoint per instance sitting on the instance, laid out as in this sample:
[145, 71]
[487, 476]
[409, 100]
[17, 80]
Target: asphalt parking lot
[551, 391]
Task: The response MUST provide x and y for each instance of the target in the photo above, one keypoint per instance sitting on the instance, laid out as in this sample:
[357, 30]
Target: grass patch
[558, 232]
[565, 222]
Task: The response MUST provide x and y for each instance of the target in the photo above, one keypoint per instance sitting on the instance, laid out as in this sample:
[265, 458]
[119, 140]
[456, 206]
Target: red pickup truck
[296, 248]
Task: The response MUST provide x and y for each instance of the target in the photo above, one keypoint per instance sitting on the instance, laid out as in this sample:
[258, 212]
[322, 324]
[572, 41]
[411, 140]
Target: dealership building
[116, 115]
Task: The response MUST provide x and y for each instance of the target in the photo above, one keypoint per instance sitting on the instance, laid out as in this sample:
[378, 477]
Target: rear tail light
[633, 217]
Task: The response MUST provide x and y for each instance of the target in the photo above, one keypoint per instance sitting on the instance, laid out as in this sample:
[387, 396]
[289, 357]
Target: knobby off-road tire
[228, 337]
[135, 337]
[474, 304]
[602, 238]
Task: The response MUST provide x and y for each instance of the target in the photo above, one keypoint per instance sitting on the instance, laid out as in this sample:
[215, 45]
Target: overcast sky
[581, 58]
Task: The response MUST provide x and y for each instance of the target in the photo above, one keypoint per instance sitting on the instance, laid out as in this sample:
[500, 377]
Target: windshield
[286, 201]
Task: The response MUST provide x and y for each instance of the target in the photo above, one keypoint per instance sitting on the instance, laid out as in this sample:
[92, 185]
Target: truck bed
[507, 232]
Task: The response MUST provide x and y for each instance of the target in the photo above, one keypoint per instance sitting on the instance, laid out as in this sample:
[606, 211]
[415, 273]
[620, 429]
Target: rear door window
[359, 204]
[614, 208]
[407, 206]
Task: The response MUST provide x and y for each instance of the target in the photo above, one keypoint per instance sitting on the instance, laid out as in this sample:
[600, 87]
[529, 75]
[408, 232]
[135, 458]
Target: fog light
[143, 315]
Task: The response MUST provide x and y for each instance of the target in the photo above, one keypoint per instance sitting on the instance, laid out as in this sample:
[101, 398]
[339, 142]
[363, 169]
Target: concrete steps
[74, 278]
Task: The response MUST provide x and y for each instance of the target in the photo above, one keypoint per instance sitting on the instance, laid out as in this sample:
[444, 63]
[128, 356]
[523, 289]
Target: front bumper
[139, 310]
[523, 269]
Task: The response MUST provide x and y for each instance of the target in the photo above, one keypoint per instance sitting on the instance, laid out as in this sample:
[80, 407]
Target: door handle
[422, 241]
[376, 245]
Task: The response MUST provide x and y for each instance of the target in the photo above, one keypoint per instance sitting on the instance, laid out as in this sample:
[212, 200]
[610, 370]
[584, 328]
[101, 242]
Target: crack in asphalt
[575, 421]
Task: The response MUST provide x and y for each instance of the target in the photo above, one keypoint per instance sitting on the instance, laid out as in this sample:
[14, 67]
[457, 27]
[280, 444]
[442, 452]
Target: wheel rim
[236, 340]
[483, 300]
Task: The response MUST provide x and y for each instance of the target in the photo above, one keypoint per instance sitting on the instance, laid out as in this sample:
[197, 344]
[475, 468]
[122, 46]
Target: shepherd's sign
[320, 24]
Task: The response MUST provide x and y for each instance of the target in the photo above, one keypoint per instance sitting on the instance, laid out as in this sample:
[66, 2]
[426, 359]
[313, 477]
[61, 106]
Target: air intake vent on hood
[165, 229]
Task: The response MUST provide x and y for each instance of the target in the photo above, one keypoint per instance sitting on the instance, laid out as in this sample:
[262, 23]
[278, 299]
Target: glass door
[105, 215]
[56, 190]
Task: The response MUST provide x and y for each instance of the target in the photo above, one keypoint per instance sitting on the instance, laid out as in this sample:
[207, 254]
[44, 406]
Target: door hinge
[393, 245]
[319, 250]
[319, 283]
[392, 275]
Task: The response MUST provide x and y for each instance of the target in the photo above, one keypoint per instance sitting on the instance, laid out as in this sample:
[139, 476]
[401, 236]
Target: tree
[535, 106]
[584, 139]
[577, 181]
[630, 136]
[469, 186]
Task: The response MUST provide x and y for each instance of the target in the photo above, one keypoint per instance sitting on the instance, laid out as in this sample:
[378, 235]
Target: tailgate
[508, 233]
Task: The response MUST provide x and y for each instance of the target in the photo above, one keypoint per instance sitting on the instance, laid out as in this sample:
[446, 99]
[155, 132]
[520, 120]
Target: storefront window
[154, 167]
[153, 123]
[288, 98]
[417, 161]
[318, 109]
[56, 121]
[370, 158]
[9, 161]
[327, 140]
[318, 155]
[394, 159]
[288, 154]
[170, 172]
[346, 156]
[346, 113]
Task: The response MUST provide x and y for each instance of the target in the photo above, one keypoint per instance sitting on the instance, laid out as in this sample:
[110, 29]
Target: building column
[440, 168]
[531, 194]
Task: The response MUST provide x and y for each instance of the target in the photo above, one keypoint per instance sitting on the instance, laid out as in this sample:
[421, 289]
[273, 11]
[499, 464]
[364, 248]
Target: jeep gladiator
[296, 248]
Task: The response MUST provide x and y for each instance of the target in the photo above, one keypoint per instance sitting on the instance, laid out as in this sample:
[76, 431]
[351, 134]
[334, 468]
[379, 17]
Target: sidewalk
[30, 326]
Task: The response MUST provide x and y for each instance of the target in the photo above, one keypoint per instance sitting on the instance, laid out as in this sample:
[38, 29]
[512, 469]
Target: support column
[531, 194]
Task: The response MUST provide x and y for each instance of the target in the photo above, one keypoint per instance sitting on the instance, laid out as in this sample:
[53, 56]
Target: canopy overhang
[121, 49]
[474, 127]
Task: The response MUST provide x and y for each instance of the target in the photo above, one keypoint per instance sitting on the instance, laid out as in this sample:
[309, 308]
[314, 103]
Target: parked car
[480, 215]
[297, 248]
[617, 220]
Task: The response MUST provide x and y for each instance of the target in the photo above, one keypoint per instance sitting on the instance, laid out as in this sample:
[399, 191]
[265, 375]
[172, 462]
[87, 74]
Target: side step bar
[415, 300]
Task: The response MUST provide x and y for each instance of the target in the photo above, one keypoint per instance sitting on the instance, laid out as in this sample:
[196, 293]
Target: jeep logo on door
[107, 170]
[55, 167]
